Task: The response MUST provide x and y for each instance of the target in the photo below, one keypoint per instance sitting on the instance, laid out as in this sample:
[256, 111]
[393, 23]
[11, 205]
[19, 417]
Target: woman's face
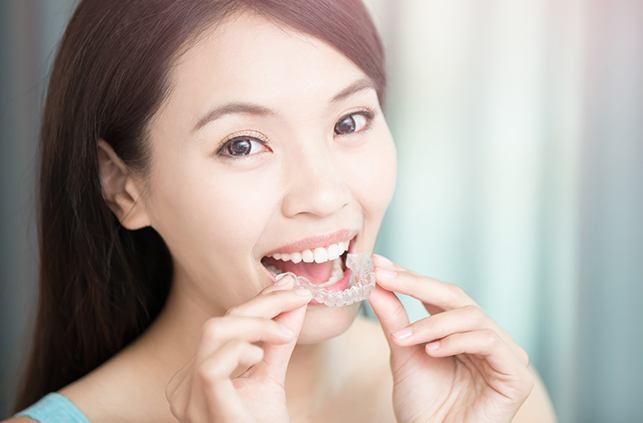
[221, 206]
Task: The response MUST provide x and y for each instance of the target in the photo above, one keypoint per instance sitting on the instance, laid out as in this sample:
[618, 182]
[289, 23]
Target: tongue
[314, 272]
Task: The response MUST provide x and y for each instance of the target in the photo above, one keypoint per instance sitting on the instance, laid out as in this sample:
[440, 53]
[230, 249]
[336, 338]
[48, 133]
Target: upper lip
[315, 241]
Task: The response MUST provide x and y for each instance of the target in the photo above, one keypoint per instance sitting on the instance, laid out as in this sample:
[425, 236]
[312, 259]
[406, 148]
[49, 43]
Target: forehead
[248, 57]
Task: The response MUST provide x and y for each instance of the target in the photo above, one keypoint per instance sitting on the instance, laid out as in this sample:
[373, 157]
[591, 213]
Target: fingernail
[433, 346]
[404, 333]
[303, 292]
[284, 280]
[383, 259]
[385, 275]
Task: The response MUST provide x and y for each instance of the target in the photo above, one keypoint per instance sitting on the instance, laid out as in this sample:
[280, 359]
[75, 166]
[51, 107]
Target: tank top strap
[54, 408]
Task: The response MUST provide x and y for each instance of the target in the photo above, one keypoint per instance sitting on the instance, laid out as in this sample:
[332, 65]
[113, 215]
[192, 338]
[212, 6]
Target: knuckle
[455, 290]
[524, 355]
[475, 314]
[399, 312]
[209, 372]
[489, 338]
[210, 328]
[210, 325]
[236, 346]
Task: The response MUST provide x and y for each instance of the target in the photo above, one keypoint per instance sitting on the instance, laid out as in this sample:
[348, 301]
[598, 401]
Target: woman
[186, 143]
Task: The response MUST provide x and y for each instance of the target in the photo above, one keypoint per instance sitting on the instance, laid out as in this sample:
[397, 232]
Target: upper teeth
[318, 255]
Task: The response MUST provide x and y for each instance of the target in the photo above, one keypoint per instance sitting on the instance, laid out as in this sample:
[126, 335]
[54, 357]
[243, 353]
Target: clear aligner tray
[360, 285]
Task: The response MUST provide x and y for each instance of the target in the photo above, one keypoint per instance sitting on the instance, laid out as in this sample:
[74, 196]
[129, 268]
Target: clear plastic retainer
[361, 283]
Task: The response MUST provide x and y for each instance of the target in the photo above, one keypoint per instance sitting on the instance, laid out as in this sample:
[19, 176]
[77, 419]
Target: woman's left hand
[477, 373]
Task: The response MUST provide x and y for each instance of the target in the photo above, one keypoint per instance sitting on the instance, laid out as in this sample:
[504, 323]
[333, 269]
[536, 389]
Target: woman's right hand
[230, 378]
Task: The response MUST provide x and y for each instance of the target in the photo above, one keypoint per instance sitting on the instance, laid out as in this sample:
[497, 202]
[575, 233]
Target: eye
[239, 146]
[354, 122]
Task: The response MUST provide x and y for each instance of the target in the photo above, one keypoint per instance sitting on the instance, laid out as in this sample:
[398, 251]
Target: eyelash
[369, 114]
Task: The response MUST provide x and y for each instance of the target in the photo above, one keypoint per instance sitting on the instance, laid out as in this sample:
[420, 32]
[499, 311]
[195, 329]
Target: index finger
[273, 300]
[431, 292]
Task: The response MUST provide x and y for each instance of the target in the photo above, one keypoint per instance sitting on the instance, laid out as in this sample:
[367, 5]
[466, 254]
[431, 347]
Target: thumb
[277, 356]
[392, 316]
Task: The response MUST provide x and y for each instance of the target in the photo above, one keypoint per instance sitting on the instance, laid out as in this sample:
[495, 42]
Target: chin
[323, 322]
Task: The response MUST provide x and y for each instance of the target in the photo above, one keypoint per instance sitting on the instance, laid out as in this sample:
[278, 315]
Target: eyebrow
[259, 110]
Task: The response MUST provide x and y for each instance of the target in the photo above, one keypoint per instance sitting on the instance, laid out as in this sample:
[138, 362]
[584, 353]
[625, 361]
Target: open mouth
[323, 271]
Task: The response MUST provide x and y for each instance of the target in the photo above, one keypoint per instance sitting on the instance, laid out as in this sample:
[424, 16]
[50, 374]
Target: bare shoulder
[537, 407]
[110, 392]
[85, 394]
[18, 420]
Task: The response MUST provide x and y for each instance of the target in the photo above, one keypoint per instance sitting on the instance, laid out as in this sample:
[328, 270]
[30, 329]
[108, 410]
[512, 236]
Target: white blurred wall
[518, 126]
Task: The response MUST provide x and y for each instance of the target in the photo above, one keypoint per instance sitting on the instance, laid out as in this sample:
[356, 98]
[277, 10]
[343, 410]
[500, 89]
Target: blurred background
[519, 128]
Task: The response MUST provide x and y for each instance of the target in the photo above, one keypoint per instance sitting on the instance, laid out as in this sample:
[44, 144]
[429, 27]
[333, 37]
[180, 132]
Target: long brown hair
[101, 285]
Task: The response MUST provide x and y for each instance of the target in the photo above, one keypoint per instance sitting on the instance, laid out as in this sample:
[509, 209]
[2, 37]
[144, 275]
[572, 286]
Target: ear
[119, 189]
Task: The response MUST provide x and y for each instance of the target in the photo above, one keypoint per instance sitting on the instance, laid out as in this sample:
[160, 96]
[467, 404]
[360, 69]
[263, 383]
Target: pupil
[240, 147]
[346, 125]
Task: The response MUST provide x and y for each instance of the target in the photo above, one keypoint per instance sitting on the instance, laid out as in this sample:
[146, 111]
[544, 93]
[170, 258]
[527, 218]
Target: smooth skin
[231, 378]
[457, 365]
[216, 352]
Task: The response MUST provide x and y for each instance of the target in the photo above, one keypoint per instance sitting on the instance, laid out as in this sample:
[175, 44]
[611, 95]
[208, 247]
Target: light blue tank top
[54, 408]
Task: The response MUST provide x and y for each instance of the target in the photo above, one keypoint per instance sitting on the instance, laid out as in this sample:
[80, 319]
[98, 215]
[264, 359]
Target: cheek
[231, 208]
[208, 215]
[374, 175]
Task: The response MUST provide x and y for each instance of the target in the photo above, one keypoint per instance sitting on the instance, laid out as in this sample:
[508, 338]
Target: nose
[316, 185]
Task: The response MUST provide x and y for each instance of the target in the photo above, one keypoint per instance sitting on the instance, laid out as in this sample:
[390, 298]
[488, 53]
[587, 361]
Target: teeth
[336, 275]
[334, 251]
[307, 256]
[318, 255]
[321, 255]
[362, 282]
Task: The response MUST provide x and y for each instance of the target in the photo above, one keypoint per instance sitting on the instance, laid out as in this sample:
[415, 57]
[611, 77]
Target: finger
[431, 292]
[385, 263]
[464, 319]
[438, 326]
[390, 312]
[272, 301]
[219, 330]
[483, 342]
[214, 376]
[283, 281]
[277, 356]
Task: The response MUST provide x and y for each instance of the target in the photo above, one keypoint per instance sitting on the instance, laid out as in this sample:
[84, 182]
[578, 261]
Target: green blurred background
[519, 131]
